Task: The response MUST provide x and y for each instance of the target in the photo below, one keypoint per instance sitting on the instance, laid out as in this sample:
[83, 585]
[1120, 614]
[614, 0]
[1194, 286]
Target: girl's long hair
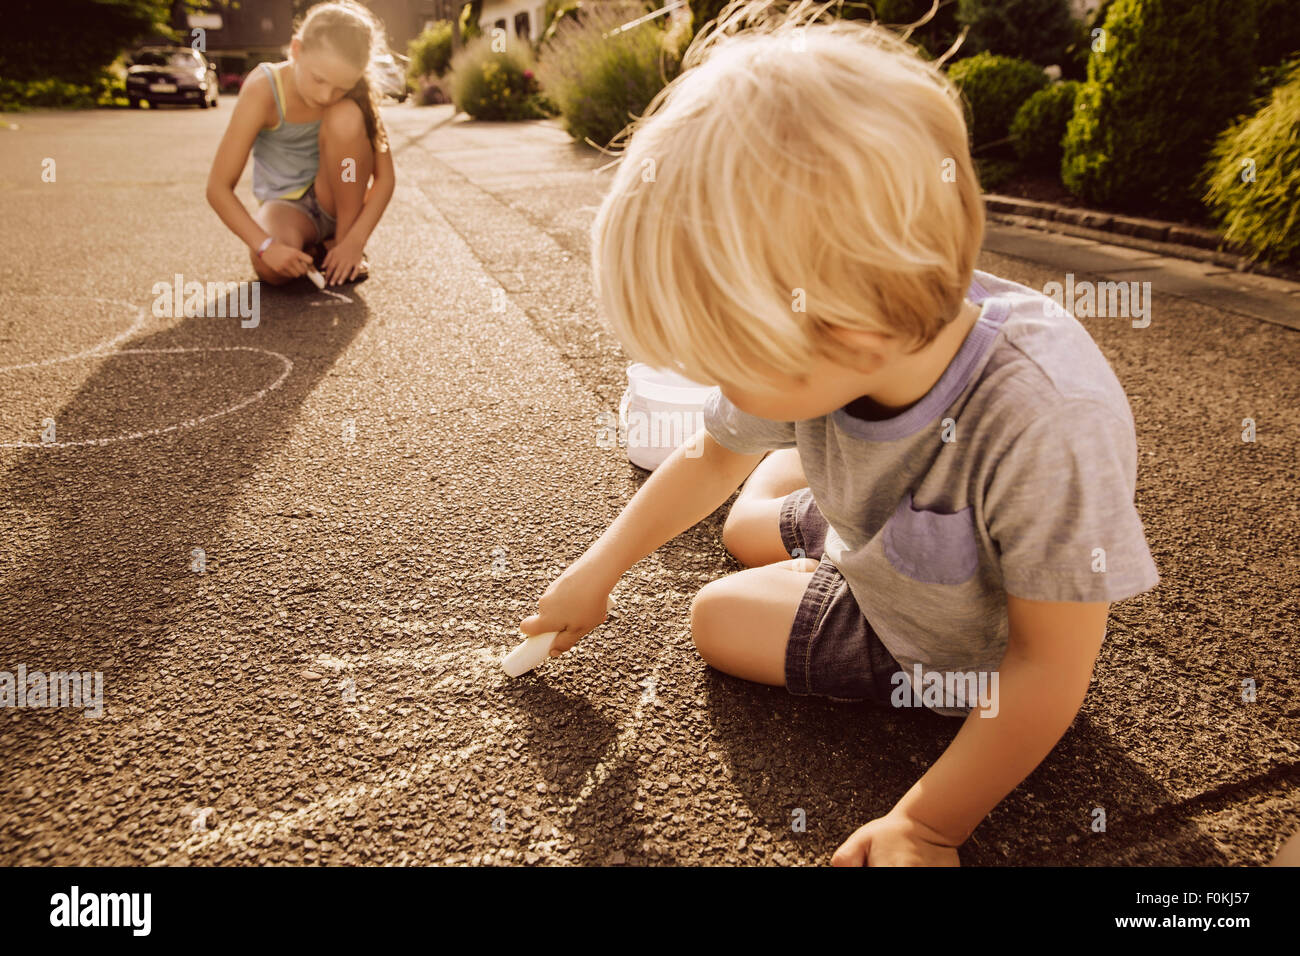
[357, 35]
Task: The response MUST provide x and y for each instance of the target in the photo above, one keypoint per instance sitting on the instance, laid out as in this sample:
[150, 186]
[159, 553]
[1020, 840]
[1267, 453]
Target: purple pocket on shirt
[931, 546]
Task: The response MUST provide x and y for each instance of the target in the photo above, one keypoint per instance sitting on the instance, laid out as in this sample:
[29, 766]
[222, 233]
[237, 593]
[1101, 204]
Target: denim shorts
[310, 207]
[833, 650]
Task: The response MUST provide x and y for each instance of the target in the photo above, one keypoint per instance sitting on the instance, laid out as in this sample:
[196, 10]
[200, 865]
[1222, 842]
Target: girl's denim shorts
[310, 207]
[833, 650]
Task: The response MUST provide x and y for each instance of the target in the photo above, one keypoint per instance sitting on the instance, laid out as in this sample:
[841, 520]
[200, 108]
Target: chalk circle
[102, 351]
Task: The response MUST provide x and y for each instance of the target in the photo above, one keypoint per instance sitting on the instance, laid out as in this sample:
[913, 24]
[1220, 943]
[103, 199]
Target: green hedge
[1173, 74]
[72, 40]
[1039, 126]
[1263, 216]
[994, 87]
[495, 86]
[599, 84]
[430, 52]
[18, 95]
[1034, 30]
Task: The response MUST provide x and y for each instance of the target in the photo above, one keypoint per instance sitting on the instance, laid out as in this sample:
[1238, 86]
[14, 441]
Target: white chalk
[533, 650]
[317, 278]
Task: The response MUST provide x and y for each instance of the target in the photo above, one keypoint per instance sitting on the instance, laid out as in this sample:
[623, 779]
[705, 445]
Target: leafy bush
[993, 173]
[1171, 76]
[934, 37]
[108, 90]
[430, 52]
[1034, 30]
[1075, 64]
[598, 85]
[72, 40]
[994, 87]
[495, 86]
[1039, 125]
[556, 11]
[469, 14]
[1262, 215]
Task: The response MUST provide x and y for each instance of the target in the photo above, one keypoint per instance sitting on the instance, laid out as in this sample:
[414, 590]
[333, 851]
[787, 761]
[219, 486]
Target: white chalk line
[94, 350]
[613, 756]
[102, 351]
[336, 295]
[241, 835]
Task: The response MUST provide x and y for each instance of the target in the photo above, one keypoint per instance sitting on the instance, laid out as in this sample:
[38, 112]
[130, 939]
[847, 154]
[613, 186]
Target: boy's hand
[342, 262]
[575, 603]
[895, 840]
[286, 260]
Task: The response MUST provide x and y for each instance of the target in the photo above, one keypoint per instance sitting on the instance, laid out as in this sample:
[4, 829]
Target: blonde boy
[796, 221]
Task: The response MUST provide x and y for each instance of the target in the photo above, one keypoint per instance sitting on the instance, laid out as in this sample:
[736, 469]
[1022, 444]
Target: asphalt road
[380, 488]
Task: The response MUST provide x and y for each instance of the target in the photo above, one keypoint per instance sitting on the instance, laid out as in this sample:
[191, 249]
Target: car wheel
[134, 101]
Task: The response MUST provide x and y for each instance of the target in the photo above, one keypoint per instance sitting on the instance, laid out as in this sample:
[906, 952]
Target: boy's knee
[738, 535]
[733, 532]
[708, 609]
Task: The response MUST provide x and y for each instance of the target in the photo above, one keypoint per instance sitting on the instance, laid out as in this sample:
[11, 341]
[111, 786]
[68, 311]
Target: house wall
[496, 10]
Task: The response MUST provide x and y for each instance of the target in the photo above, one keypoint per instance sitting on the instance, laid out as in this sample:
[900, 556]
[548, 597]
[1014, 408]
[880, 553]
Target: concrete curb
[1154, 235]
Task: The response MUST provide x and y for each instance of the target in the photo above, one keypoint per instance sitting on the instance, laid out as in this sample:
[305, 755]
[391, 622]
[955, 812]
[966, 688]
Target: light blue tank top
[286, 156]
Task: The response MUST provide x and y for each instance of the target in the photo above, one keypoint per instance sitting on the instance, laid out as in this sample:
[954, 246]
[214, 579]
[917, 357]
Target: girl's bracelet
[266, 243]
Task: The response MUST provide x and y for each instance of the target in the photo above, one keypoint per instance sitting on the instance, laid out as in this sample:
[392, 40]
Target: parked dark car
[171, 75]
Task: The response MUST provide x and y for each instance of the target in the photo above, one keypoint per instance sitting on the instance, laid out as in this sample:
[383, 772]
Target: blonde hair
[792, 153]
[357, 35]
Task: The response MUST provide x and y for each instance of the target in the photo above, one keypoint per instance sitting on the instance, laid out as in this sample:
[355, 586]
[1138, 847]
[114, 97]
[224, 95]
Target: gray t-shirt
[1013, 475]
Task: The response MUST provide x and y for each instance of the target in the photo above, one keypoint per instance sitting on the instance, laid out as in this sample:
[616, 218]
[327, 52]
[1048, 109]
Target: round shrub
[598, 84]
[1035, 30]
[430, 52]
[1039, 125]
[1254, 177]
[994, 87]
[490, 85]
[1171, 76]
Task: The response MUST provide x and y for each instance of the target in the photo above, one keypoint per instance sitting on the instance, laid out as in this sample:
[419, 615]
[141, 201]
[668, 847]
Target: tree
[73, 40]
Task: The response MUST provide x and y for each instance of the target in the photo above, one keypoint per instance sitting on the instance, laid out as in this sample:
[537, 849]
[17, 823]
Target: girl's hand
[286, 260]
[895, 840]
[575, 603]
[343, 262]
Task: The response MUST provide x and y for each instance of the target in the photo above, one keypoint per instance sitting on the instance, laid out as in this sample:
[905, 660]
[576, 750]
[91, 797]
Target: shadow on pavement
[101, 576]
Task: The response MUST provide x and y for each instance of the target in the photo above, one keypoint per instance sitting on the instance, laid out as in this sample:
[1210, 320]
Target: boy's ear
[295, 48]
[861, 350]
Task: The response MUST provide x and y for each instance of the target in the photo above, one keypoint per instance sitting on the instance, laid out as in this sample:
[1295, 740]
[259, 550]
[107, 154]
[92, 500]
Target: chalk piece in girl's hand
[533, 651]
[317, 278]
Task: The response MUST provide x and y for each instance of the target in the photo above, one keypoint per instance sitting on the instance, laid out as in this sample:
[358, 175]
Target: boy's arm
[1042, 681]
[679, 494]
[689, 486]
